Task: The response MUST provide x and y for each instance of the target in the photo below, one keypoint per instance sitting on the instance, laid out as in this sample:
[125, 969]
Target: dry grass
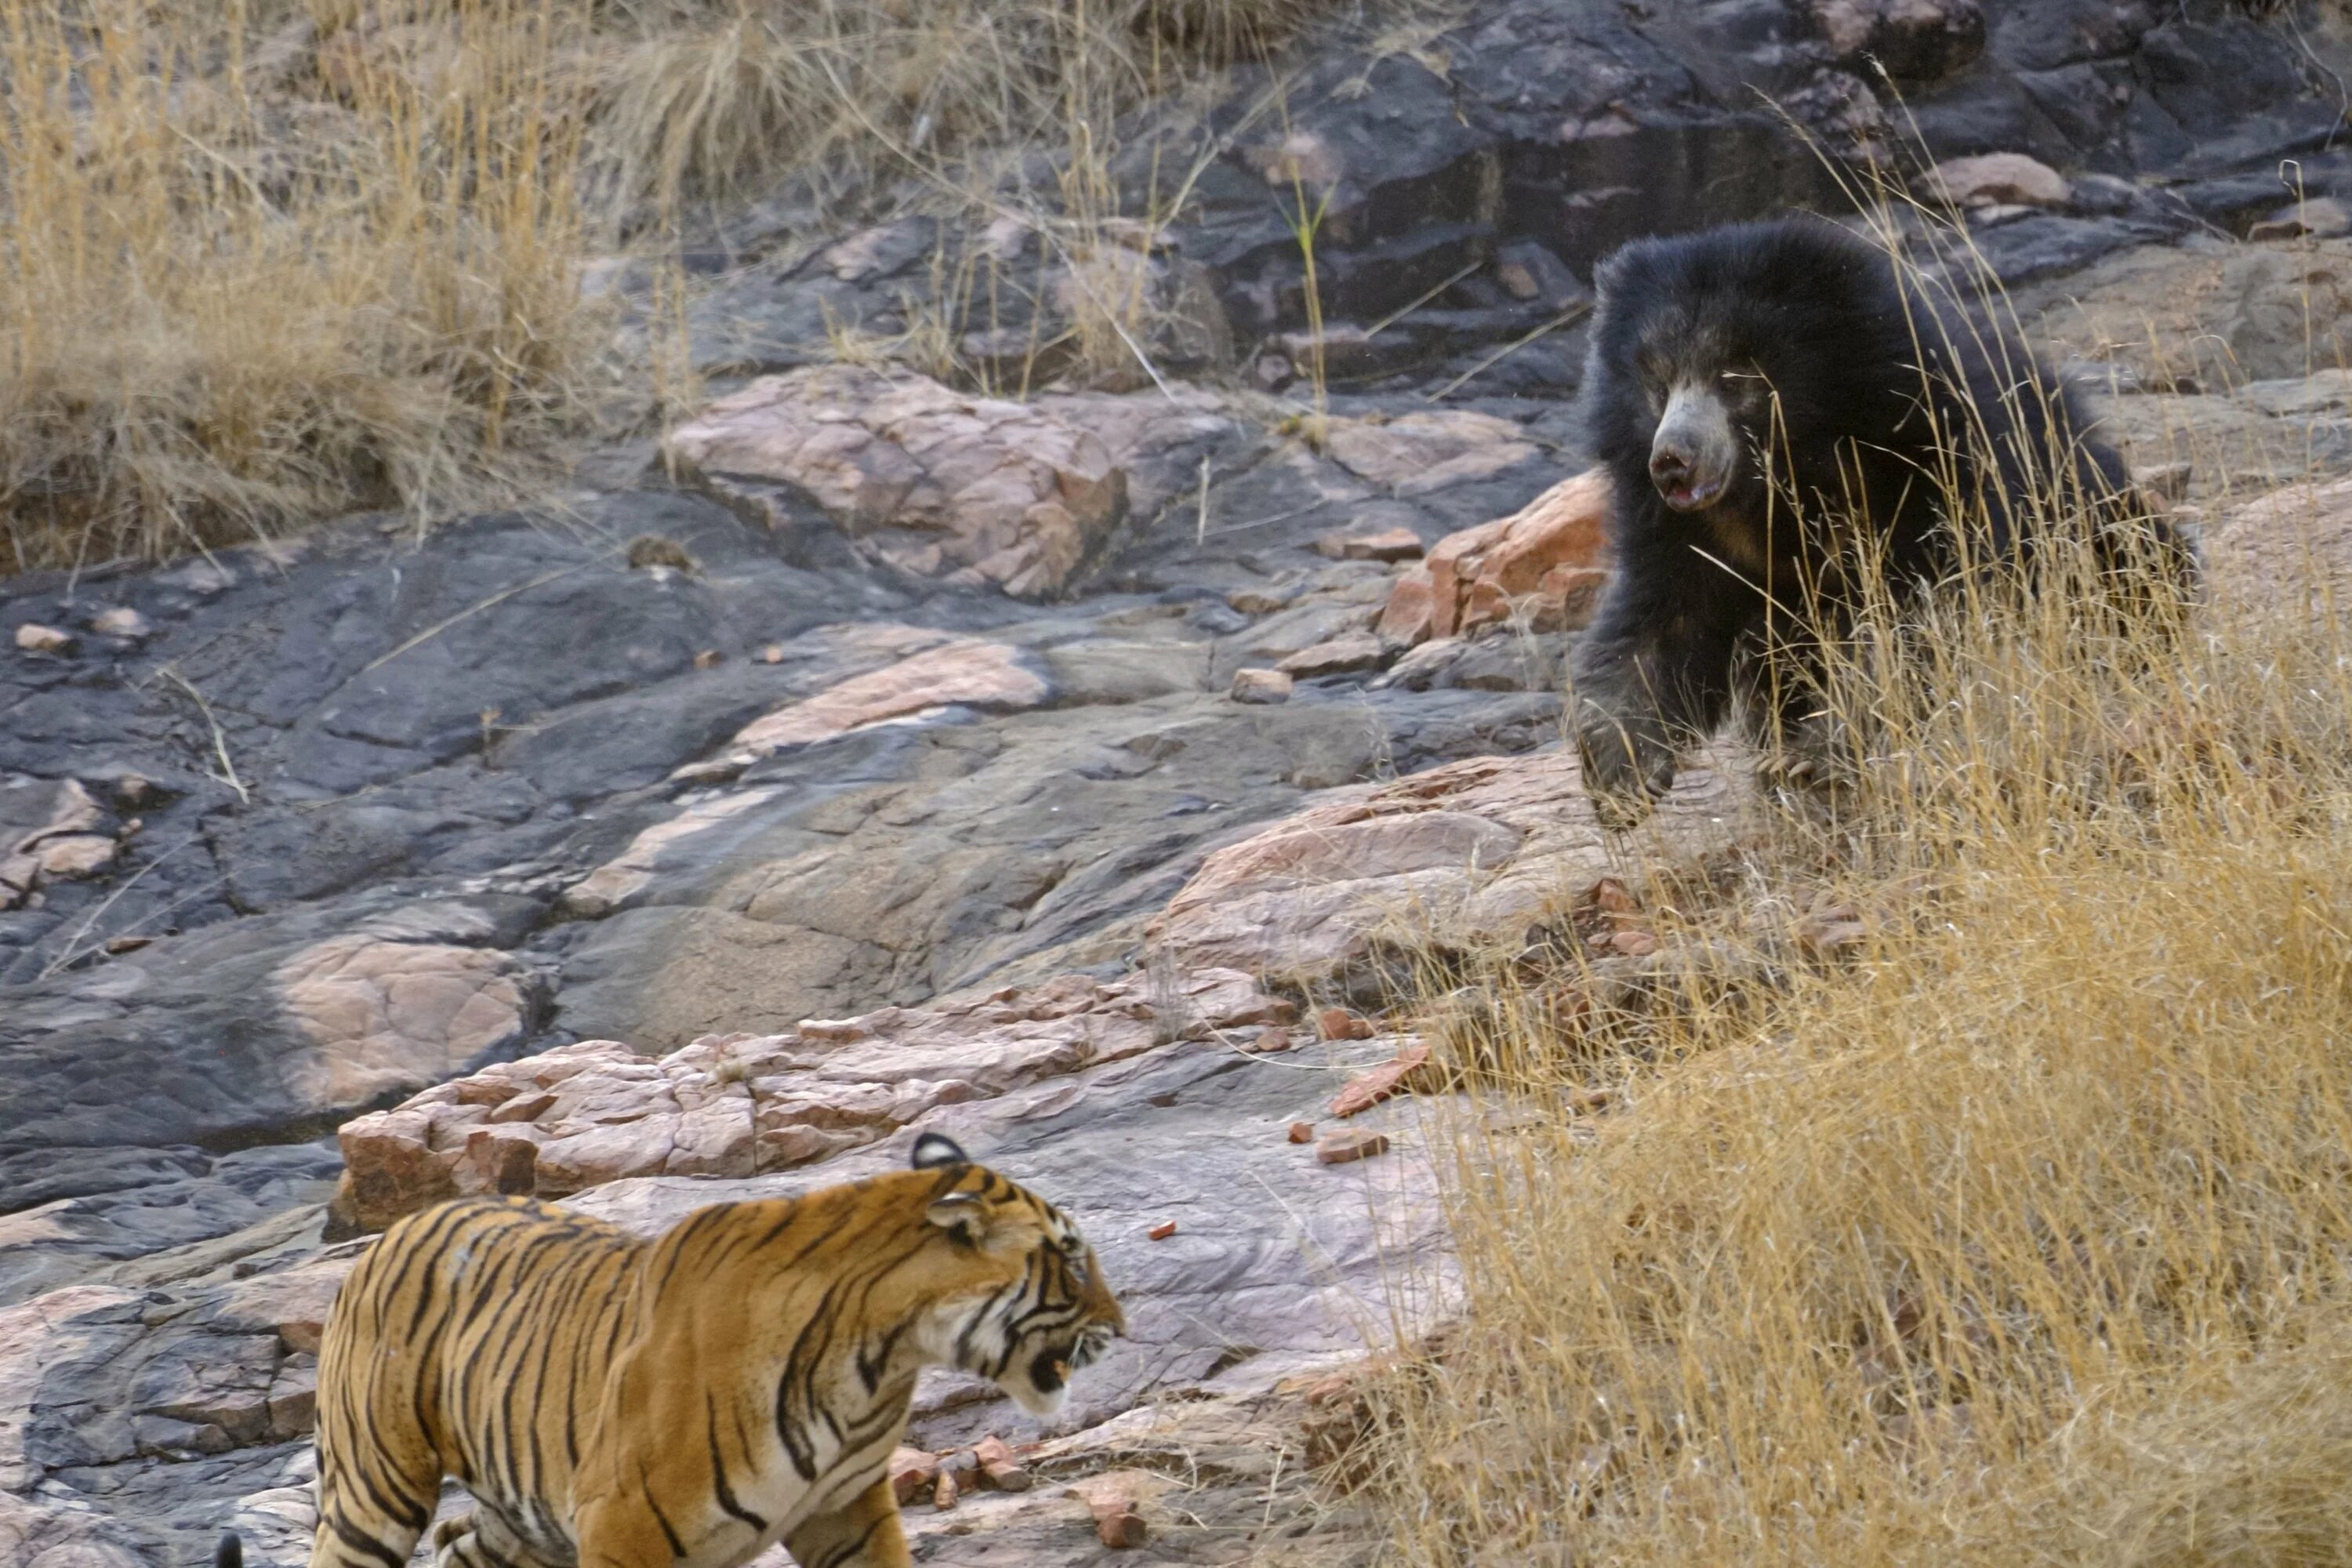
[224, 308]
[703, 97]
[2021, 1235]
[272, 260]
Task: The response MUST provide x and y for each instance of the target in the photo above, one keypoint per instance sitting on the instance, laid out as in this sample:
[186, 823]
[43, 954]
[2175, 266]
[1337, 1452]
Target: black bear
[1781, 410]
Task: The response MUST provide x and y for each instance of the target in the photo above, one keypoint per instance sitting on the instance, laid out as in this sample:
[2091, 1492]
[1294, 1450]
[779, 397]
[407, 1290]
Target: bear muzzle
[1695, 450]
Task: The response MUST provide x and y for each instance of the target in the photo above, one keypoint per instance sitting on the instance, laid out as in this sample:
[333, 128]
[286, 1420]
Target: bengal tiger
[611, 1401]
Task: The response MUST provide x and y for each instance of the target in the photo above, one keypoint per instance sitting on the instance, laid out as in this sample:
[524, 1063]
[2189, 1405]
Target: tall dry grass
[227, 307]
[2022, 1232]
[706, 97]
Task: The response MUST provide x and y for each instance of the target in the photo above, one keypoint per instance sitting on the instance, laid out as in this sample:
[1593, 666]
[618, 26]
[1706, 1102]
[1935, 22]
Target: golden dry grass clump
[270, 259]
[244, 285]
[2023, 1234]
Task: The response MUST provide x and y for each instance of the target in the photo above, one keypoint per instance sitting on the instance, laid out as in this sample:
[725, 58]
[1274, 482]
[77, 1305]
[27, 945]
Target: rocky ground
[868, 755]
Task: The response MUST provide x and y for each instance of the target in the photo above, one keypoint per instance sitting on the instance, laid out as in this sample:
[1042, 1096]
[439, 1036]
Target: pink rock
[1262, 685]
[940, 483]
[1415, 453]
[72, 854]
[292, 1303]
[1368, 1089]
[913, 1472]
[1996, 179]
[1350, 651]
[1916, 40]
[48, 832]
[1411, 613]
[35, 638]
[1547, 562]
[1471, 851]
[1390, 544]
[2290, 552]
[385, 1015]
[968, 673]
[615, 884]
[1347, 1147]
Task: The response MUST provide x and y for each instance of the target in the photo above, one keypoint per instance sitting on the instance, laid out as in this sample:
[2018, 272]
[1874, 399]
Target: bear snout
[1694, 449]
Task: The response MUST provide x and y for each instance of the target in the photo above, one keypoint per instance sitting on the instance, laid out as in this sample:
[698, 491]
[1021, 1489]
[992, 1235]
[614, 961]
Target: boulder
[1420, 452]
[1546, 561]
[2290, 552]
[1470, 852]
[34, 637]
[1916, 40]
[1996, 179]
[49, 833]
[385, 1016]
[1261, 686]
[1339, 656]
[939, 484]
[1388, 544]
[734, 1105]
[2205, 317]
[292, 1303]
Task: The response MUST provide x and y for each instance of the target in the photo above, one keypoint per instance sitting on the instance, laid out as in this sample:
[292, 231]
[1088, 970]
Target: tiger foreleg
[865, 1533]
[370, 1512]
[480, 1539]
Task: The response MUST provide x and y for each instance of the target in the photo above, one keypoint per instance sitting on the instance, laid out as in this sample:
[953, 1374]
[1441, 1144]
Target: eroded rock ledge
[737, 1105]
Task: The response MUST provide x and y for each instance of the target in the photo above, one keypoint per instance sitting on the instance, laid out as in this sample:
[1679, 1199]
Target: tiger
[611, 1401]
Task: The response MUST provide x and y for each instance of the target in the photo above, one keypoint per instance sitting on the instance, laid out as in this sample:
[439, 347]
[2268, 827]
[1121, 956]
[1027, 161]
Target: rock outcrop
[1542, 569]
[50, 830]
[737, 1105]
[1464, 855]
[2289, 551]
[938, 483]
[941, 485]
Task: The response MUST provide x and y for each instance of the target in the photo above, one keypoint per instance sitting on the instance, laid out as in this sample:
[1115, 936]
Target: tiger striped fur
[617, 1403]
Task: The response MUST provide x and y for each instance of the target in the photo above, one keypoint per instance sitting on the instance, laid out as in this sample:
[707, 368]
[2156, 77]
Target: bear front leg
[1802, 742]
[863, 1534]
[1647, 681]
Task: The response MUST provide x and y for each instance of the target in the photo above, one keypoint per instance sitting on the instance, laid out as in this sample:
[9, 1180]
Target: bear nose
[1669, 468]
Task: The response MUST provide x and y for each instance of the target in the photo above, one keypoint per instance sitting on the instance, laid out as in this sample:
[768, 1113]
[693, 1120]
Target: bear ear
[1610, 270]
[936, 1151]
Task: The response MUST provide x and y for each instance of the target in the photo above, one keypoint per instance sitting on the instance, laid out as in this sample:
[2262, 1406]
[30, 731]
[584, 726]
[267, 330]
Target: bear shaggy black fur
[1780, 413]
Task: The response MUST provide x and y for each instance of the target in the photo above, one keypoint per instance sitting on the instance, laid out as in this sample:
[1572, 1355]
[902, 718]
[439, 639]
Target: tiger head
[1035, 1307]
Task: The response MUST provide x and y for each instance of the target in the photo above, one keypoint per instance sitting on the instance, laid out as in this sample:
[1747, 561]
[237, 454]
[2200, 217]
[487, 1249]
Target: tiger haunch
[617, 1403]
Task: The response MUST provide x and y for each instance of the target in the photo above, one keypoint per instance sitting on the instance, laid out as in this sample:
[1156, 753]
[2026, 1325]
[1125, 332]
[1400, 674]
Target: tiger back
[618, 1403]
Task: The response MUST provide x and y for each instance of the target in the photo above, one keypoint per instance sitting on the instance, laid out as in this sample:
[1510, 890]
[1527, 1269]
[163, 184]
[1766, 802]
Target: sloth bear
[1782, 416]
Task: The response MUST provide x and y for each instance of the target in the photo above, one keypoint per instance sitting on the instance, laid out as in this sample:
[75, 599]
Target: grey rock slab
[1035, 838]
[51, 1245]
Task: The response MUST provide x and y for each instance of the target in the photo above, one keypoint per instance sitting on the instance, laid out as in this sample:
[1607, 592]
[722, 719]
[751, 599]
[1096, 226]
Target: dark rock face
[325, 825]
[1561, 130]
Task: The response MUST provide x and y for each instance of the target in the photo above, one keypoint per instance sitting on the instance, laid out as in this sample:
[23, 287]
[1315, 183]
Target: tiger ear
[962, 1216]
[935, 1151]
